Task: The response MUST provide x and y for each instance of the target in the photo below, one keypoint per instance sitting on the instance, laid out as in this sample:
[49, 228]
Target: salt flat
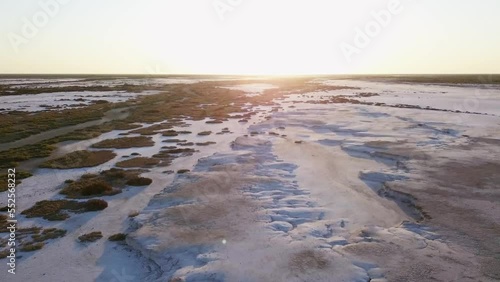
[303, 190]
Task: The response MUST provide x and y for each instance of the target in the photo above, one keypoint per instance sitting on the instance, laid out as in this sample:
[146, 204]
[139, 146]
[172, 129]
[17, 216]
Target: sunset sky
[249, 36]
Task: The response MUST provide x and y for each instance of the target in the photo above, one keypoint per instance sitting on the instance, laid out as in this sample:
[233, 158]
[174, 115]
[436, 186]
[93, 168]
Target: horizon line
[249, 74]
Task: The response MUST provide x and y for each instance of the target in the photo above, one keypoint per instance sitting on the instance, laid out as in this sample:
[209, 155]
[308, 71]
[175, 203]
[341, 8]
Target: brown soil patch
[307, 260]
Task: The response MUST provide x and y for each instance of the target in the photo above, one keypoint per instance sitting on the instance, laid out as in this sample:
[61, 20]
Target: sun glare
[291, 44]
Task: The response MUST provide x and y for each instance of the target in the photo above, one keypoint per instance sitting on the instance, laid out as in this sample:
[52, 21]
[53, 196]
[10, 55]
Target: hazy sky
[249, 36]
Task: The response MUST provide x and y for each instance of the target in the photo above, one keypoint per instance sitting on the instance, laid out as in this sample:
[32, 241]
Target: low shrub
[139, 181]
[117, 237]
[90, 237]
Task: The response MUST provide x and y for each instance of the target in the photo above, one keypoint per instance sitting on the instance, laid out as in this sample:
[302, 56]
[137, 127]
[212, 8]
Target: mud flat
[323, 183]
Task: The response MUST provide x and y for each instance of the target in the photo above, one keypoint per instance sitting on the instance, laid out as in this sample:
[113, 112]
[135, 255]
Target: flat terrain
[193, 178]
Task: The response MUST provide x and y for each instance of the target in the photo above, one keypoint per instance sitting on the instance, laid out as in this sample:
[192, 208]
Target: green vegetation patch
[119, 177]
[50, 233]
[186, 144]
[19, 175]
[4, 253]
[205, 143]
[170, 133]
[138, 162]
[90, 237]
[80, 159]
[153, 129]
[181, 101]
[3, 223]
[55, 209]
[32, 246]
[18, 125]
[106, 183]
[28, 230]
[174, 141]
[139, 181]
[32, 238]
[117, 237]
[125, 142]
[89, 187]
[10, 158]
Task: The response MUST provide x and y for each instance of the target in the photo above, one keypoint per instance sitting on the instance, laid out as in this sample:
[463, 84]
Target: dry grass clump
[18, 125]
[106, 183]
[138, 162]
[180, 151]
[10, 158]
[3, 223]
[118, 177]
[214, 121]
[4, 253]
[32, 246]
[186, 144]
[153, 129]
[95, 205]
[139, 181]
[80, 159]
[50, 233]
[88, 187]
[168, 155]
[117, 237]
[55, 209]
[22, 232]
[90, 237]
[31, 239]
[125, 142]
[206, 143]
[19, 175]
[170, 133]
[174, 141]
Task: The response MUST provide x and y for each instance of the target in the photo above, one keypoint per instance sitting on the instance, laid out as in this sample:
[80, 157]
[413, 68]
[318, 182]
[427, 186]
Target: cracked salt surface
[285, 230]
